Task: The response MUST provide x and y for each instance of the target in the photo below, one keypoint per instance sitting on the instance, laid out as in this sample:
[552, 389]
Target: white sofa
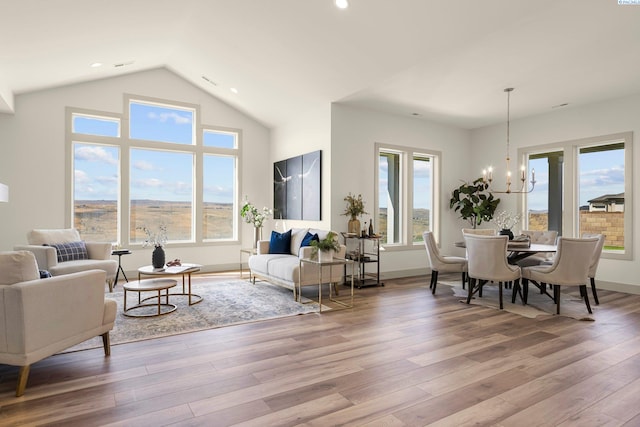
[283, 269]
[41, 317]
[99, 253]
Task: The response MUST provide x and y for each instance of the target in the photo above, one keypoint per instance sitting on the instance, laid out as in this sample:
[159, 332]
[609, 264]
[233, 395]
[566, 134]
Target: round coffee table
[184, 270]
[150, 285]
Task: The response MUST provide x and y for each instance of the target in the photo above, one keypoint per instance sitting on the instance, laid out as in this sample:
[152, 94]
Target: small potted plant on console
[324, 249]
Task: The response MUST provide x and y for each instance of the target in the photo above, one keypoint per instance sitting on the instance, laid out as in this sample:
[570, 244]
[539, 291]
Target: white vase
[325, 256]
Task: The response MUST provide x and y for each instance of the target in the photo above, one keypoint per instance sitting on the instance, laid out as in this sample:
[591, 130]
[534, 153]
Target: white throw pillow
[297, 235]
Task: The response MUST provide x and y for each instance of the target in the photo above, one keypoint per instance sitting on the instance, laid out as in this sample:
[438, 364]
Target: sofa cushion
[71, 251]
[280, 243]
[109, 266]
[42, 237]
[17, 266]
[308, 238]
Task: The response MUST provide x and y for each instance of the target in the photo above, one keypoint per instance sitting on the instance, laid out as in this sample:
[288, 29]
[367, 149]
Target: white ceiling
[447, 60]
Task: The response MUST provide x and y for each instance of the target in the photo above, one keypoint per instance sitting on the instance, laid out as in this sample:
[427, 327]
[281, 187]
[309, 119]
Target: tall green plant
[474, 202]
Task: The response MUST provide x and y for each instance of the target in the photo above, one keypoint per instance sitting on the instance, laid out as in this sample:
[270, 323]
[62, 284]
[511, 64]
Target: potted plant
[505, 221]
[157, 240]
[252, 215]
[355, 208]
[474, 202]
[325, 248]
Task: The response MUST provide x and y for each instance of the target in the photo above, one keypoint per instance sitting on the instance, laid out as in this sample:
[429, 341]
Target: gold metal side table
[340, 262]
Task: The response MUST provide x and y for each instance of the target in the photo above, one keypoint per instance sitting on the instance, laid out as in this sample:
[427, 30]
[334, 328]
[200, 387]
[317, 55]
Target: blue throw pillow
[280, 243]
[308, 238]
[70, 251]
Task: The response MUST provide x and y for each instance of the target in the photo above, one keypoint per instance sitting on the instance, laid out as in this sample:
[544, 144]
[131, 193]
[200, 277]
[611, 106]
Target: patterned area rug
[224, 304]
[537, 305]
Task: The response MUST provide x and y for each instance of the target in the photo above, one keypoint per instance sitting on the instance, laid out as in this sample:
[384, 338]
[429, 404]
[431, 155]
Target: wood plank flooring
[401, 357]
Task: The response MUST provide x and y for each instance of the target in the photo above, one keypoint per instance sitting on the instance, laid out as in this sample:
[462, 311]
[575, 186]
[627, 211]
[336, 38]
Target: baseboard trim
[618, 287]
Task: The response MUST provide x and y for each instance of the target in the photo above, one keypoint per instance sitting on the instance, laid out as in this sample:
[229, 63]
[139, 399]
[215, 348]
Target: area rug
[224, 303]
[537, 305]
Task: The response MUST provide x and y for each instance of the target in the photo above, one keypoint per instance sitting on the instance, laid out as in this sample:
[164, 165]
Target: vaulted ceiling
[442, 60]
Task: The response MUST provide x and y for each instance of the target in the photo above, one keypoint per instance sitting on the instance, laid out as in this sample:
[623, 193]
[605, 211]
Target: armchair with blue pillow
[62, 251]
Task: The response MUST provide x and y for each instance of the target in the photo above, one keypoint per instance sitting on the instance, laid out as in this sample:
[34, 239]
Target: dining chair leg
[583, 290]
[434, 279]
[472, 283]
[516, 290]
[556, 297]
[464, 278]
[593, 290]
[500, 293]
[525, 291]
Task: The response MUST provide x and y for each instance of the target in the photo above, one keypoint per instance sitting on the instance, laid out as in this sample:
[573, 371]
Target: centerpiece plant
[157, 239]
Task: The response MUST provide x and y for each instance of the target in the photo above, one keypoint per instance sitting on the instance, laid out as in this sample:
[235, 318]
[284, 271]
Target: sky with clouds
[154, 174]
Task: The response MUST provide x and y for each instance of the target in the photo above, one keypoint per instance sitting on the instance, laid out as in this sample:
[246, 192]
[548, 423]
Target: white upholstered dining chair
[487, 261]
[570, 267]
[546, 237]
[479, 231]
[440, 263]
[595, 260]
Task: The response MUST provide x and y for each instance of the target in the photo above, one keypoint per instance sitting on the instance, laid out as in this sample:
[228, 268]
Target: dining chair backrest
[547, 237]
[479, 231]
[572, 262]
[433, 253]
[487, 258]
[595, 259]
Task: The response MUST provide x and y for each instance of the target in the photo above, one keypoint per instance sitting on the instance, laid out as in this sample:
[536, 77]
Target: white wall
[32, 163]
[619, 115]
[354, 133]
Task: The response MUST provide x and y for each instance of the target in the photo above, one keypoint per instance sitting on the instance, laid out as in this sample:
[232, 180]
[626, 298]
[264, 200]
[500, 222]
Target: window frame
[571, 183]
[406, 178]
[124, 143]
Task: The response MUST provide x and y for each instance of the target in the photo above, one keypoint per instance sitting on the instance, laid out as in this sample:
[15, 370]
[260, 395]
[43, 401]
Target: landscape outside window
[399, 208]
[601, 187]
[161, 150]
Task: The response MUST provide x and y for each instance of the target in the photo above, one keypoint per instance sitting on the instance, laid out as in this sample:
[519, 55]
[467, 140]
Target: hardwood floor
[401, 357]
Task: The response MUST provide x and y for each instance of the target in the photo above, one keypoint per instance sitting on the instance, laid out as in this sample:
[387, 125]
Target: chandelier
[487, 174]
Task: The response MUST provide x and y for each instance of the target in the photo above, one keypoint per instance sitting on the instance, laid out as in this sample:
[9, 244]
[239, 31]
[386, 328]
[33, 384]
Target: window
[594, 171]
[161, 193]
[406, 199]
[95, 190]
[170, 169]
[152, 122]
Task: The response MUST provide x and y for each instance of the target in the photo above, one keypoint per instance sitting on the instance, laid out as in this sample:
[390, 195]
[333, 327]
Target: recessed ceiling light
[96, 65]
[342, 4]
[234, 90]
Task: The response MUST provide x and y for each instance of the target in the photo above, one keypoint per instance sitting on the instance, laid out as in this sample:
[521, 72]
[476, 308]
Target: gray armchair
[52, 259]
[42, 317]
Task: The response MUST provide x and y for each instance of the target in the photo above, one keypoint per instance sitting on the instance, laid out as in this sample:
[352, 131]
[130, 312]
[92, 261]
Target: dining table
[518, 251]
